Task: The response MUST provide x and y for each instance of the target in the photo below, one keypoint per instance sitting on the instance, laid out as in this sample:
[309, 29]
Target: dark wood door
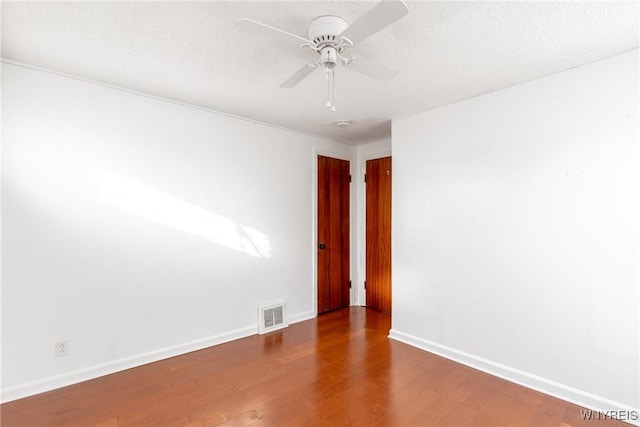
[333, 233]
[378, 234]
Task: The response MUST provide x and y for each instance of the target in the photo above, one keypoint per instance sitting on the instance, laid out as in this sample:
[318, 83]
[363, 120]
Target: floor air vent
[271, 317]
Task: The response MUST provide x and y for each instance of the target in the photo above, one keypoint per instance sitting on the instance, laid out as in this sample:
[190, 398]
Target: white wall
[515, 233]
[137, 228]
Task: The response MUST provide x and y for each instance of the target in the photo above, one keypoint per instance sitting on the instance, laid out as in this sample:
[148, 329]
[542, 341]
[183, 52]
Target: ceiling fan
[331, 37]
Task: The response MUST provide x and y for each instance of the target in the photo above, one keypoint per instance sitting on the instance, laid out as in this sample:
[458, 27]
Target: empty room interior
[320, 213]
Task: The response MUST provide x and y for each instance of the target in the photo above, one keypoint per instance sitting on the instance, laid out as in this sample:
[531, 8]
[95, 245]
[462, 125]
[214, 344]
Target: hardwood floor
[337, 370]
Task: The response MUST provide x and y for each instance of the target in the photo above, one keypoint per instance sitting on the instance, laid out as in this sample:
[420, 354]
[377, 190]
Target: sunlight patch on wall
[134, 197]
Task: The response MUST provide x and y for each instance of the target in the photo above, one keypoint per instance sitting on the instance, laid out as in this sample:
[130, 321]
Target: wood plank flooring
[337, 370]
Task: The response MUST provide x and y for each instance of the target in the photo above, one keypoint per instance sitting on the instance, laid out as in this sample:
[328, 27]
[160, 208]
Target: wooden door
[333, 233]
[378, 234]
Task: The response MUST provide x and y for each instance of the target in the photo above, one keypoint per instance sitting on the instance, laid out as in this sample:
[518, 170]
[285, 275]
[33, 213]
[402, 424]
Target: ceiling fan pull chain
[329, 72]
[333, 90]
[326, 74]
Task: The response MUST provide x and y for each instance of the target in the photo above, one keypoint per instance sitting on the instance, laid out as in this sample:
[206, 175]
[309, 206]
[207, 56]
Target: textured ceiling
[192, 52]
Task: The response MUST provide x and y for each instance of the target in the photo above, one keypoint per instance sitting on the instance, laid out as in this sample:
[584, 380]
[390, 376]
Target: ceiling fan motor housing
[324, 30]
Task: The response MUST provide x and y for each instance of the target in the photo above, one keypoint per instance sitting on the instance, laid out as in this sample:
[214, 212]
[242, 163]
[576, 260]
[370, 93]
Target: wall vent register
[271, 317]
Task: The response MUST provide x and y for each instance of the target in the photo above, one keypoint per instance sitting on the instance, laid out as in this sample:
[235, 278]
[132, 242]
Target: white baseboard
[543, 385]
[301, 317]
[52, 383]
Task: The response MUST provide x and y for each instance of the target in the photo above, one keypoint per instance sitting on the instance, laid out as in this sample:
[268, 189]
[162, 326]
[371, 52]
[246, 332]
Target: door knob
[322, 246]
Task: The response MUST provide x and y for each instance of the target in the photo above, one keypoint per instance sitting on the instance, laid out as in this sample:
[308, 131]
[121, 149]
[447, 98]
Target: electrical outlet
[62, 348]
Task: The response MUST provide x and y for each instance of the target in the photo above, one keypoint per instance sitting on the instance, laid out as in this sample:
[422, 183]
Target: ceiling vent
[271, 317]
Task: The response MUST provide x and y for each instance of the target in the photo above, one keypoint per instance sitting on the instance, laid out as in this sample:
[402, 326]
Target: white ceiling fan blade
[256, 26]
[384, 13]
[372, 69]
[298, 76]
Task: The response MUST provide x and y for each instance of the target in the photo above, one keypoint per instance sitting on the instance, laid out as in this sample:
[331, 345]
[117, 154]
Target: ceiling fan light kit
[331, 37]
